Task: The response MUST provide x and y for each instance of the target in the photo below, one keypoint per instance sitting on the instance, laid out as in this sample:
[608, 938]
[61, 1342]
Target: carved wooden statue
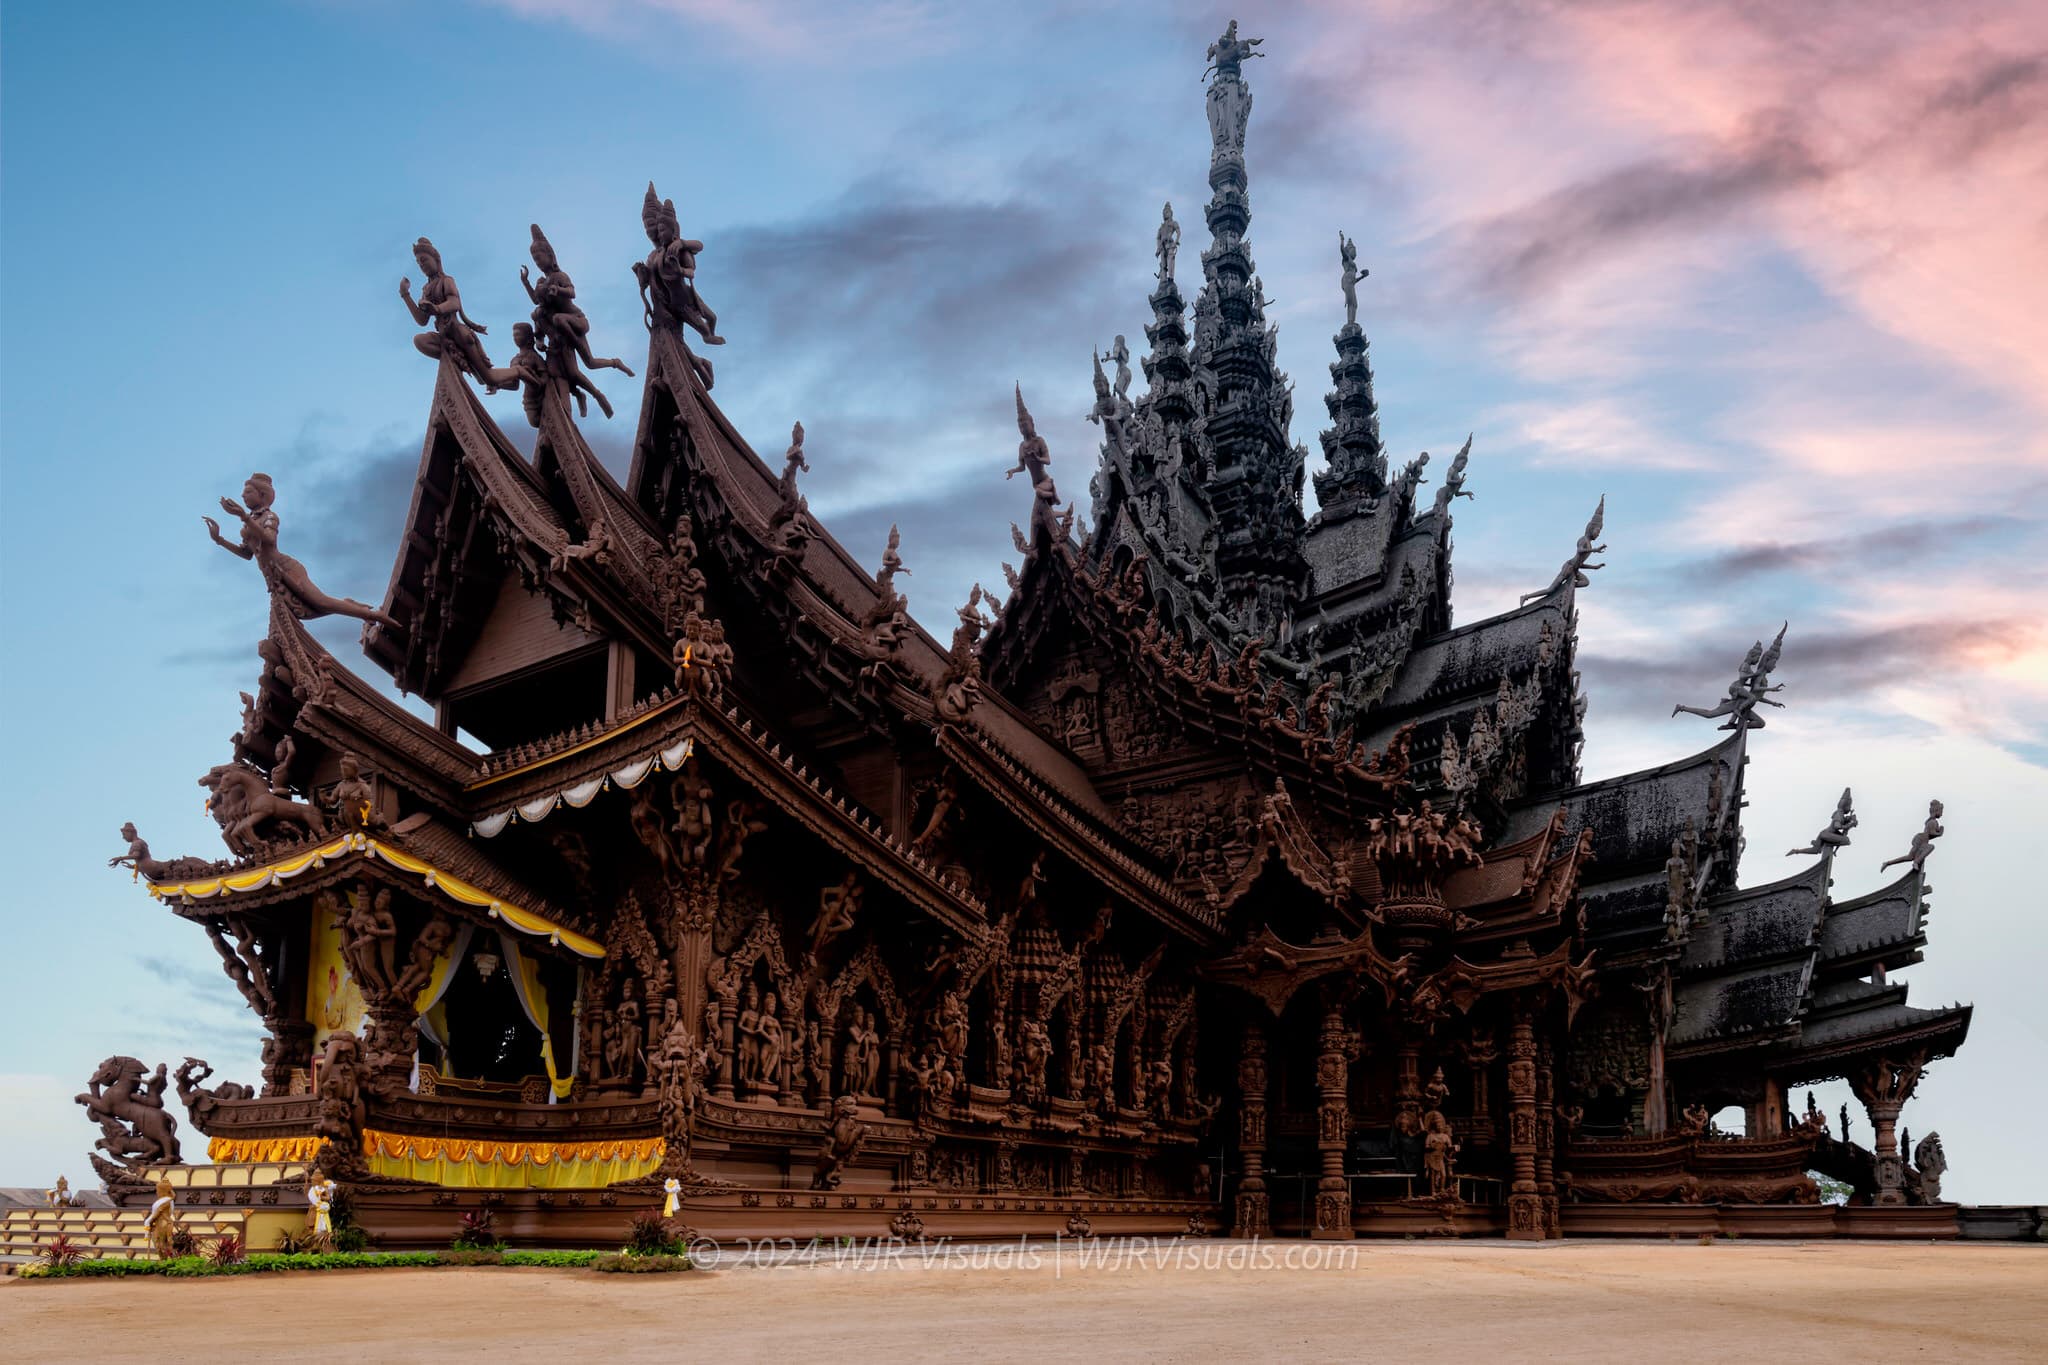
[285, 576]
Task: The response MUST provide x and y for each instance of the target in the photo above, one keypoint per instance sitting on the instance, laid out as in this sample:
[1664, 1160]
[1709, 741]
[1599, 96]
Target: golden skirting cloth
[467, 1162]
[471, 1162]
[264, 1150]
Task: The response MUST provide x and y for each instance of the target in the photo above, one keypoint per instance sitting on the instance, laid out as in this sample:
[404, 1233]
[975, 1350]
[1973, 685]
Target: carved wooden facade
[1213, 883]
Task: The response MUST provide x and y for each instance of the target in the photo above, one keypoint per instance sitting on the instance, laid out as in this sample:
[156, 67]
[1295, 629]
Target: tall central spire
[1256, 484]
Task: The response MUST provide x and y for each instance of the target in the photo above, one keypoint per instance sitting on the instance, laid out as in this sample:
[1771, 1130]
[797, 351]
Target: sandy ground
[1582, 1301]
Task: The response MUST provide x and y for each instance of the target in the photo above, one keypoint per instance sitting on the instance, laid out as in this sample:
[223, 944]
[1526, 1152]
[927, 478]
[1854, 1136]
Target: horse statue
[137, 1129]
[242, 801]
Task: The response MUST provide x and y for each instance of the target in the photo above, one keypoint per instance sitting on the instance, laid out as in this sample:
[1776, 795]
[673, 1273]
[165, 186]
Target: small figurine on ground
[162, 1221]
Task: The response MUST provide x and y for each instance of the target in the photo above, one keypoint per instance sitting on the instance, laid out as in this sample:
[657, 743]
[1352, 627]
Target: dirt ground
[1582, 1301]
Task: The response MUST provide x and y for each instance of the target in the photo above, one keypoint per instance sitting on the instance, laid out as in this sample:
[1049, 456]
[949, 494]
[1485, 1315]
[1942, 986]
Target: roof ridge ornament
[454, 335]
[668, 280]
[1836, 835]
[1752, 685]
[1576, 568]
[1923, 842]
[561, 329]
[284, 576]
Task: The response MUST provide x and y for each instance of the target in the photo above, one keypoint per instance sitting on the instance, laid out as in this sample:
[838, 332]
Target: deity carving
[1923, 842]
[668, 278]
[1752, 686]
[286, 578]
[561, 328]
[440, 306]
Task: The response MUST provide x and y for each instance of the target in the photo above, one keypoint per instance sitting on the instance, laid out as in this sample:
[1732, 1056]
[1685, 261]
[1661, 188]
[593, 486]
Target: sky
[1773, 279]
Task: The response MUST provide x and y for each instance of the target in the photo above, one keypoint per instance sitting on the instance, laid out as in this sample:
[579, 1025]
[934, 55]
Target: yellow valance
[470, 1162]
[257, 878]
[474, 1162]
[266, 1150]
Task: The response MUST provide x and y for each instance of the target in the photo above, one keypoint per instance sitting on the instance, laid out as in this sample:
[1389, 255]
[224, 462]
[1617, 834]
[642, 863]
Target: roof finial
[1578, 566]
[1347, 251]
[1836, 835]
[1453, 486]
[1752, 685]
[1923, 842]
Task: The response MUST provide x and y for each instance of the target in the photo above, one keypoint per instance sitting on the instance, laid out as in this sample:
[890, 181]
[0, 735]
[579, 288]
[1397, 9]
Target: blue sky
[1775, 284]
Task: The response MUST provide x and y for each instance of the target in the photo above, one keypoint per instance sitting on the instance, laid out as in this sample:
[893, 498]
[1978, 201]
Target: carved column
[1525, 1203]
[695, 907]
[728, 1057]
[1884, 1087]
[1546, 1138]
[1253, 1216]
[1408, 1099]
[793, 1038]
[1333, 1128]
[1657, 1101]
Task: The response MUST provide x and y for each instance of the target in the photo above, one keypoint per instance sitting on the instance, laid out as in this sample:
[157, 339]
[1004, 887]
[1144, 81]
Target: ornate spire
[1358, 462]
[1256, 484]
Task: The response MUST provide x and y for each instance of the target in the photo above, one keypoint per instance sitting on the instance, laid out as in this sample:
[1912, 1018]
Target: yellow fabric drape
[265, 1150]
[483, 1163]
[525, 974]
[334, 1003]
[256, 878]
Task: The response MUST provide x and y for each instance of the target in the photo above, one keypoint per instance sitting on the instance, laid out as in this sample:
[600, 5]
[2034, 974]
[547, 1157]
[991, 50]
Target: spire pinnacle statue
[1167, 243]
[1347, 251]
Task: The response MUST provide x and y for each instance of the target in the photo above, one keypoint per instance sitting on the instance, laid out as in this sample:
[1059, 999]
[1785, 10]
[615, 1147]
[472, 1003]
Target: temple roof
[1783, 963]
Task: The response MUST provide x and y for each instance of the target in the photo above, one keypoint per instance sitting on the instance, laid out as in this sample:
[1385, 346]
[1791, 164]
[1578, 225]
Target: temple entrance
[488, 1035]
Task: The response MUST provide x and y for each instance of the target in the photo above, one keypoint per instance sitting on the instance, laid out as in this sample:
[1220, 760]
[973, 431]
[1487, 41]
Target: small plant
[227, 1249]
[630, 1264]
[477, 1232]
[347, 1235]
[650, 1234]
[62, 1253]
[290, 1243]
[1706, 1239]
[183, 1243]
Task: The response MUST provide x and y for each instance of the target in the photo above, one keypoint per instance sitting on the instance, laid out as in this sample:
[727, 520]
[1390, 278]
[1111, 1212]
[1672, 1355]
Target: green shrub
[227, 1250]
[649, 1234]
[477, 1232]
[627, 1263]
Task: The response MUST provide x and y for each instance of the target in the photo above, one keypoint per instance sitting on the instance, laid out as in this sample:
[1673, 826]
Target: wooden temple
[1212, 880]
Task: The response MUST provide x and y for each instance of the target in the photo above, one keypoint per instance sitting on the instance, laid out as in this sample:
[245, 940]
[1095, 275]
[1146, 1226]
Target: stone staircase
[211, 1200]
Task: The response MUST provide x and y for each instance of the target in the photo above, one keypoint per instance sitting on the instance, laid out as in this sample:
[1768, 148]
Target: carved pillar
[1657, 1099]
[1253, 1217]
[1333, 1128]
[1408, 1101]
[1546, 1138]
[793, 1037]
[892, 1068]
[1884, 1087]
[728, 1057]
[1766, 1117]
[694, 908]
[1525, 1203]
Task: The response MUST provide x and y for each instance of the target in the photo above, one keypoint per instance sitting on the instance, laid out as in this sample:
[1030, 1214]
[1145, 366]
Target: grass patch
[258, 1263]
